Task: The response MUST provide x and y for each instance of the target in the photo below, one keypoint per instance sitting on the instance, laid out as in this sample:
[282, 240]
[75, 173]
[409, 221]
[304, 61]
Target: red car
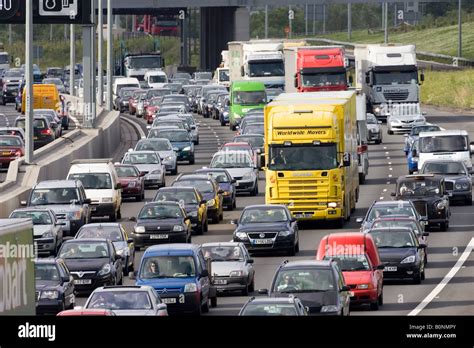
[132, 181]
[86, 312]
[11, 148]
[359, 260]
[241, 147]
[133, 101]
[152, 109]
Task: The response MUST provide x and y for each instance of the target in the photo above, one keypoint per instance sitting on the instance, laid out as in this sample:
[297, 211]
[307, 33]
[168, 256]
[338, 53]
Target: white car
[149, 163]
[403, 123]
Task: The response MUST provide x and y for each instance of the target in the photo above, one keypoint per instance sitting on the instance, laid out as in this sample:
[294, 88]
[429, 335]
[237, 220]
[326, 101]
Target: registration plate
[390, 269]
[220, 281]
[83, 281]
[306, 215]
[168, 300]
[263, 241]
[158, 236]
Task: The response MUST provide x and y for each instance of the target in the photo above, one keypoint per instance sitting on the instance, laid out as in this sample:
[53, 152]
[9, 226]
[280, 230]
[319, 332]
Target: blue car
[412, 158]
[415, 132]
[226, 184]
[180, 275]
[181, 141]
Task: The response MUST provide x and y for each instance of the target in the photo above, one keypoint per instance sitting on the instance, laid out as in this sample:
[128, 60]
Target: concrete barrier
[53, 161]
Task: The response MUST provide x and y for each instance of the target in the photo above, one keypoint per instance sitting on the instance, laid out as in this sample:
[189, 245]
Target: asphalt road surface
[387, 161]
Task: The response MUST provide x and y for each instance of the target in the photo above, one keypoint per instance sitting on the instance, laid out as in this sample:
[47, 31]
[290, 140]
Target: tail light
[46, 132]
[18, 154]
[362, 149]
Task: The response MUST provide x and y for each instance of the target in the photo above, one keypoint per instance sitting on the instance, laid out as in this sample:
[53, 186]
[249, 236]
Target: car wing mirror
[250, 261]
[422, 246]
[133, 219]
[345, 288]
[263, 291]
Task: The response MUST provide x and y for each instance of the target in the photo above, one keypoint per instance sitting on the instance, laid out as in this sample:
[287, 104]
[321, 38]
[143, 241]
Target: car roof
[44, 210]
[176, 188]
[307, 263]
[86, 240]
[229, 244]
[391, 229]
[170, 249]
[395, 217]
[443, 133]
[257, 300]
[236, 144]
[103, 224]
[391, 203]
[420, 177]
[161, 203]
[208, 170]
[185, 176]
[123, 288]
[58, 184]
[48, 261]
[264, 206]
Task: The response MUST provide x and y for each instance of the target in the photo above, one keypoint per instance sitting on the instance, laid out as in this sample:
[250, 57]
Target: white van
[101, 184]
[156, 78]
[123, 82]
[445, 145]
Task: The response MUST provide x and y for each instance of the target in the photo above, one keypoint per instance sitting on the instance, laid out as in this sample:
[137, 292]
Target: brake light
[362, 149]
[46, 132]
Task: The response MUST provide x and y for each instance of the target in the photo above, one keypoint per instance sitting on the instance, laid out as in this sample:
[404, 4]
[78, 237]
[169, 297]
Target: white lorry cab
[124, 82]
[445, 145]
[156, 78]
[101, 184]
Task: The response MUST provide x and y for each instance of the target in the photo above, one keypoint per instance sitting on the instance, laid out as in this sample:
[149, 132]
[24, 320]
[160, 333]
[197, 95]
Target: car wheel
[137, 248]
[389, 132]
[201, 228]
[119, 213]
[245, 291]
[206, 226]
[113, 217]
[297, 248]
[444, 226]
[468, 201]
[425, 258]
[174, 171]
[139, 198]
[417, 278]
[254, 191]
[292, 251]
[126, 269]
[252, 286]
[380, 299]
[215, 219]
[143, 195]
[361, 179]
[213, 302]
[120, 282]
[191, 161]
[222, 123]
[205, 307]
[221, 216]
[422, 277]
[197, 141]
[374, 306]
[234, 204]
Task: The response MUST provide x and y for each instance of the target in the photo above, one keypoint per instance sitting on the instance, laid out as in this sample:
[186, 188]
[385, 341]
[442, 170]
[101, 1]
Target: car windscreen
[305, 280]
[84, 250]
[255, 142]
[120, 300]
[161, 211]
[444, 168]
[10, 141]
[448, 143]
[157, 79]
[250, 98]
[173, 136]
[187, 197]
[37, 123]
[396, 224]
[387, 210]
[126, 172]
[418, 130]
[389, 239]
[59, 196]
[38, 217]
[47, 272]
[263, 215]
[232, 160]
[93, 181]
[168, 266]
[112, 233]
[155, 145]
[223, 253]
[419, 187]
[202, 186]
[220, 177]
[350, 263]
[141, 158]
[254, 128]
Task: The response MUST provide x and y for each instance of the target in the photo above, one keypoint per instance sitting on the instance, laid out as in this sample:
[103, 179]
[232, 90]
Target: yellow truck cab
[44, 97]
[311, 155]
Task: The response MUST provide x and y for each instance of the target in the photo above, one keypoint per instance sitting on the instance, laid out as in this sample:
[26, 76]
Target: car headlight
[157, 172]
[414, 159]
[440, 205]
[241, 235]
[227, 193]
[168, 158]
[363, 286]
[132, 184]
[461, 186]
[284, 233]
[465, 186]
[187, 148]
[248, 176]
[121, 251]
[211, 202]
[107, 200]
[178, 228]
[139, 229]
[236, 273]
[409, 259]
[105, 270]
[50, 295]
[190, 287]
[76, 215]
[175, 148]
[193, 213]
[48, 234]
[329, 309]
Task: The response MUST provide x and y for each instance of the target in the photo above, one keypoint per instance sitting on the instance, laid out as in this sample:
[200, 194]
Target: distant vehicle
[273, 306]
[156, 79]
[121, 102]
[245, 95]
[255, 140]
[54, 72]
[226, 184]
[43, 133]
[148, 163]
[132, 182]
[86, 313]
[413, 156]
[272, 93]
[137, 65]
[12, 147]
[164, 149]
[124, 82]
[55, 81]
[411, 137]
[181, 141]
[374, 129]
[402, 122]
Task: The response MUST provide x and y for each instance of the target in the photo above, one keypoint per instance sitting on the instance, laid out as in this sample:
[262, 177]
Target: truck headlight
[50, 295]
[178, 228]
[190, 287]
[241, 235]
[105, 270]
[284, 233]
[329, 309]
[76, 215]
[48, 234]
[211, 202]
[107, 200]
[139, 229]
[409, 259]
[236, 273]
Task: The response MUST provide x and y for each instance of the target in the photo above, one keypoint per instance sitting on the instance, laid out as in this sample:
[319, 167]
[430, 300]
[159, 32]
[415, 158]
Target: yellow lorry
[311, 155]
[44, 97]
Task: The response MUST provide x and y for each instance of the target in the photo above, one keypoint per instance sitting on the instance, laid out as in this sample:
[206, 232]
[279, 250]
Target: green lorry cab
[245, 96]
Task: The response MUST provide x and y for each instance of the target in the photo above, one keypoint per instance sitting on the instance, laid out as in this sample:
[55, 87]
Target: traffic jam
[302, 125]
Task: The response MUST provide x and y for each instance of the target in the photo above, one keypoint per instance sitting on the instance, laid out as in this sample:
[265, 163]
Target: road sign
[8, 8]
[68, 8]
[400, 15]
[291, 14]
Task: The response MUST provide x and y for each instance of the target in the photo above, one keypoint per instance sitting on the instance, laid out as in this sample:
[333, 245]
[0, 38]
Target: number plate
[169, 300]
[158, 236]
[82, 281]
[263, 241]
[300, 216]
[220, 281]
[390, 269]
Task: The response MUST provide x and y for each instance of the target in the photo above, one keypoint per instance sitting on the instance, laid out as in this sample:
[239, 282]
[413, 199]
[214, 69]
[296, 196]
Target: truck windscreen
[152, 62]
[395, 77]
[266, 68]
[4, 59]
[449, 143]
[250, 98]
[324, 79]
[303, 157]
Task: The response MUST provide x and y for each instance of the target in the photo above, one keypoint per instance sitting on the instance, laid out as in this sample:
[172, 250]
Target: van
[156, 79]
[102, 186]
[44, 97]
[123, 82]
[451, 145]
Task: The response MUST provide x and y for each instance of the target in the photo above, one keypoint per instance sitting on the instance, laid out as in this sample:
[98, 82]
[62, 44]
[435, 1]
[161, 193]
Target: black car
[458, 179]
[273, 306]
[194, 204]
[226, 183]
[122, 100]
[54, 286]
[401, 253]
[92, 262]
[9, 92]
[209, 190]
[159, 223]
[320, 285]
[267, 228]
[429, 196]
[43, 133]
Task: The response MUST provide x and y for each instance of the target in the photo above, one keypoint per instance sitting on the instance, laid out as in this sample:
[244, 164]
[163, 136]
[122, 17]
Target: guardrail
[452, 62]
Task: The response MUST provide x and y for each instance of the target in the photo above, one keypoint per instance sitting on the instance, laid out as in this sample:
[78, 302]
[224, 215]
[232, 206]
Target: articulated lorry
[17, 272]
[388, 75]
[316, 68]
[257, 60]
[137, 65]
[311, 155]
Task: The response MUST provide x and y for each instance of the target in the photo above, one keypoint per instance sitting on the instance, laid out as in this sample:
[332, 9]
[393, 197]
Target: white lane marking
[136, 125]
[387, 153]
[385, 148]
[435, 292]
[381, 198]
[388, 182]
[389, 163]
[389, 175]
[390, 168]
[385, 190]
[460, 226]
[388, 157]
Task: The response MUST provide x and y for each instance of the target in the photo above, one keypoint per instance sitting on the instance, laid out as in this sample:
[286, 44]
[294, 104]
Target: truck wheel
[361, 178]
[468, 200]
[119, 213]
[213, 302]
[444, 226]
[205, 307]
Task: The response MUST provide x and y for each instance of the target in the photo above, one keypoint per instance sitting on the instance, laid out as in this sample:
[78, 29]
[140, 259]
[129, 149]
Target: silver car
[403, 122]
[148, 163]
[232, 268]
[164, 149]
[194, 127]
[117, 233]
[47, 231]
[241, 167]
[374, 129]
[127, 300]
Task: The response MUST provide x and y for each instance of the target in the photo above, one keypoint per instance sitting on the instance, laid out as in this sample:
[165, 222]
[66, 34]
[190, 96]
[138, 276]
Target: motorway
[387, 162]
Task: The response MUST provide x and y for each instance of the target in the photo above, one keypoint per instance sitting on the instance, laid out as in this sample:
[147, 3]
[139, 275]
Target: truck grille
[449, 185]
[420, 207]
[302, 188]
[396, 96]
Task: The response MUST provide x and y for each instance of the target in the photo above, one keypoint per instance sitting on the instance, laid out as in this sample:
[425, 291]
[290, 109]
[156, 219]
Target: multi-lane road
[387, 162]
